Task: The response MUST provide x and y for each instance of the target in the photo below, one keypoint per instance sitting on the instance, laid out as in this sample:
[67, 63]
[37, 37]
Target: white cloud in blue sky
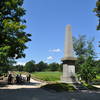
[55, 50]
[20, 63]
[50, 58]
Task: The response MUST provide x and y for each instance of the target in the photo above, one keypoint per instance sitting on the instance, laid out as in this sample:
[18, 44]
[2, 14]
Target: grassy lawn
[47, 76]
[98, 77]
[97, 80]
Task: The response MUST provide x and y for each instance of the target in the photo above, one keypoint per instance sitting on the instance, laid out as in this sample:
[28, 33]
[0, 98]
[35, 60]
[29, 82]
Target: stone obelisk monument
[68, 60]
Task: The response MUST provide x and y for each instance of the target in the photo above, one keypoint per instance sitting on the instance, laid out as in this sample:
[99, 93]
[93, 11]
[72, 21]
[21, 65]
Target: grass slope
[47, 76]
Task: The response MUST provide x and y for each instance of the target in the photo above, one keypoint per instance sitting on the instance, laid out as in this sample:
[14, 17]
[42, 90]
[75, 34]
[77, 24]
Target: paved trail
[33, 91]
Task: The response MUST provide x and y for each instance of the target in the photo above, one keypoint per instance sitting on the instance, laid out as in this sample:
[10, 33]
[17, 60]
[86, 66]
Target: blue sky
[46, 21]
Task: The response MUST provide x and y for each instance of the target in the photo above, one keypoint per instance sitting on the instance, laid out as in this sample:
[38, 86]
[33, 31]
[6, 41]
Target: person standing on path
[10, 79]
[28, 78]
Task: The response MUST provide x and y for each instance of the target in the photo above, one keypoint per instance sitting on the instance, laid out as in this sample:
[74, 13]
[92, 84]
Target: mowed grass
[96, 81]
[47, 76]
[98, 76]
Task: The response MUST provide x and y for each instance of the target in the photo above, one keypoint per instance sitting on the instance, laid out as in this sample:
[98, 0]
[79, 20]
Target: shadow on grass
[64, 87]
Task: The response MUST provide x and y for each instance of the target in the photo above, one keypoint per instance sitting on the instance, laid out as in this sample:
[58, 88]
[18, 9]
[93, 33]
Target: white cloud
[20, 63]
[50, 58]
[55, 50]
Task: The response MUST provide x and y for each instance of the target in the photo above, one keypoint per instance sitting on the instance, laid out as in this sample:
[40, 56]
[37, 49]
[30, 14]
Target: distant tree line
[31, 66]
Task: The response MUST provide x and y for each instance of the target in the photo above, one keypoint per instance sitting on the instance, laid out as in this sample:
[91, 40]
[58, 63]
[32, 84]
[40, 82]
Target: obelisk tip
[68, 27]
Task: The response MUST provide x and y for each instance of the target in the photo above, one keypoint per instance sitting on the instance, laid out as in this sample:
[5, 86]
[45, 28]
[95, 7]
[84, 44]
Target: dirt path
[32, 91]
[32, 84]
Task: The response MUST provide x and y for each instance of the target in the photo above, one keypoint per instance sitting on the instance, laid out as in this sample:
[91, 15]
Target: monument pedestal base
[69, 72]
[69, 79]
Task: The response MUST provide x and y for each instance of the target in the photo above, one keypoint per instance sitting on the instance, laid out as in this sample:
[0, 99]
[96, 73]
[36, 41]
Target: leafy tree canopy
[41, 66]
[12, 34]
[97, 10]
[87, 71]
[30, 66]
[83, 49]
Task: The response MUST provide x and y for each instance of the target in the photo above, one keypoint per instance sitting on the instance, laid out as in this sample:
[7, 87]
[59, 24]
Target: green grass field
[47, 76]
[96, 81]
[98, 76]
[53, 76]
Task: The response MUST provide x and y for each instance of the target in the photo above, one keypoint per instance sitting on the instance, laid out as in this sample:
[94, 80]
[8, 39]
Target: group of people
[18, 79]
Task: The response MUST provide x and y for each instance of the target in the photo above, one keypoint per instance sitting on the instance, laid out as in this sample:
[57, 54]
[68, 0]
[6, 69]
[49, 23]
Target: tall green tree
[30, 66]
[79, 45]
[97, 66]
[18, 67]
[85, 65]
[54, 67]
[97, 10]
[83, 49]
[4, 68]
[87, 71]
[13, 37]
[41, 66]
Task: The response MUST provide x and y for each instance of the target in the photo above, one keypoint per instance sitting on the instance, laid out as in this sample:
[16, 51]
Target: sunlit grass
[98, 76]
[47, 76]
